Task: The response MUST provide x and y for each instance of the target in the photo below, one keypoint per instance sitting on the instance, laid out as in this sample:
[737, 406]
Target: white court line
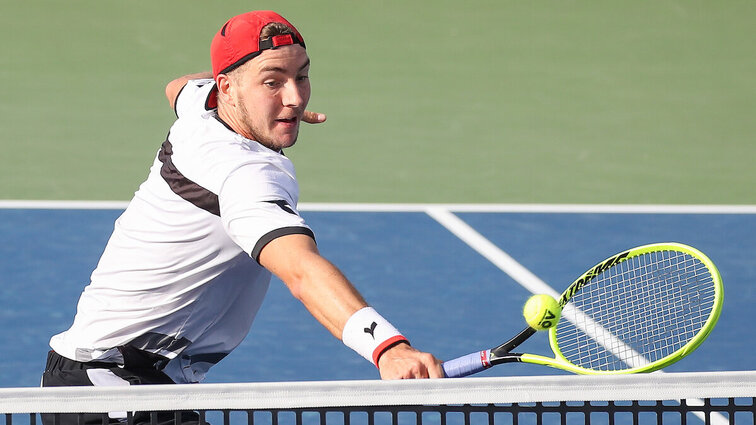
[483, 208]
[491, 252]
[528, 280]
[534, 284]
[62, 205]
[535, 208]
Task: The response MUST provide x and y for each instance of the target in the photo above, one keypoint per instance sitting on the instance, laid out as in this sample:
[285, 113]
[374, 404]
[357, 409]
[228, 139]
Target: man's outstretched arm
[333, 301]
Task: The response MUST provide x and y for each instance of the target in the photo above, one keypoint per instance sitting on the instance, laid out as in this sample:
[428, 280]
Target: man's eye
[271, 83]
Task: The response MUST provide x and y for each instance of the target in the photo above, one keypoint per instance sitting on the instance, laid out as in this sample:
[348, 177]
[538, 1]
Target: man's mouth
[289, 121]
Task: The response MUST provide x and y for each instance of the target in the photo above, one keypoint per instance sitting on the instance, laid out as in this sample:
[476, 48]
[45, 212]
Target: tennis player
[190, 259]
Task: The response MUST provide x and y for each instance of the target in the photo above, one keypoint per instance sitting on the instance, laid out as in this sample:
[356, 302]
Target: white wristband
[369, 334]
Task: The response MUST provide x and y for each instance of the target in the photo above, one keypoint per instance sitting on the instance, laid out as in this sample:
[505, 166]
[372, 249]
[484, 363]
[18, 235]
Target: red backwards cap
[239, 41]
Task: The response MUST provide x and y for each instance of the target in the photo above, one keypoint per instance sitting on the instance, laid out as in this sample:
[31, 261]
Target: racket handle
[467, 365]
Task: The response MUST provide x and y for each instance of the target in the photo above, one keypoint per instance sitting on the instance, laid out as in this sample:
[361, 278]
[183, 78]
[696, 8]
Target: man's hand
[404, 362]
[313, 117]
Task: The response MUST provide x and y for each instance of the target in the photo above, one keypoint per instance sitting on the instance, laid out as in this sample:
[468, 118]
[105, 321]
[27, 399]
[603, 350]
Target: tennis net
[669, 398]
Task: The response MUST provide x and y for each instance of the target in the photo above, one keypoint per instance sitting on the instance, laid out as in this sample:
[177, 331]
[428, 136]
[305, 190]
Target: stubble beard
[255, 133]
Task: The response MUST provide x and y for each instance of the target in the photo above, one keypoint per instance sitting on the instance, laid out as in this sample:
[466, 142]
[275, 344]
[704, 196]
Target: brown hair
[275, 28]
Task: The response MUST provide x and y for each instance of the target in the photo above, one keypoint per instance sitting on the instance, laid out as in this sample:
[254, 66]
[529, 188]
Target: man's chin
[281, 143]
[289, 139]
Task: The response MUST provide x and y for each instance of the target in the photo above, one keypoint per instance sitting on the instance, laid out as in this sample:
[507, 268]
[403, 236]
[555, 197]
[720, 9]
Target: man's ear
[225, 89]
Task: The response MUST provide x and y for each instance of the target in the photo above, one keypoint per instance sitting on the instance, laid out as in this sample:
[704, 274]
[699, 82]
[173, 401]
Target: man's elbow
[172, 90]
[296, 288]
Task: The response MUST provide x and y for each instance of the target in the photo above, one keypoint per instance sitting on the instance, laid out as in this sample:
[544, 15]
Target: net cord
[286, 395]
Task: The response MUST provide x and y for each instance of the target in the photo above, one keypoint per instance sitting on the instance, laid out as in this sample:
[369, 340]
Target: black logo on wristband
[371, 329]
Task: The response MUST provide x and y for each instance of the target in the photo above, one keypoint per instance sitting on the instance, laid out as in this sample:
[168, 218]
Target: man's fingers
[404, 362]
[313, 117]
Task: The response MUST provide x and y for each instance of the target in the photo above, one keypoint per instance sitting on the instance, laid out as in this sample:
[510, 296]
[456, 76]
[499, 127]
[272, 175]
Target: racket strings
[637, 312]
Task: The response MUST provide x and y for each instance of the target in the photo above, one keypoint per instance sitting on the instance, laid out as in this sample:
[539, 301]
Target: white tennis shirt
[179, 277]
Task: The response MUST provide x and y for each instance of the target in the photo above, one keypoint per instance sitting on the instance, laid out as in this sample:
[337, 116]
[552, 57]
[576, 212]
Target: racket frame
[503, 353]
[559, 361]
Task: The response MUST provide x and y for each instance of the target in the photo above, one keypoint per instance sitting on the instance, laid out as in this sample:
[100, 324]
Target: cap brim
[212, 99]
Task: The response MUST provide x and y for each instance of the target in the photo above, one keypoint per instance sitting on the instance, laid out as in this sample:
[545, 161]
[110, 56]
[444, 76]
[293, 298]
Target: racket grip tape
[467, 365]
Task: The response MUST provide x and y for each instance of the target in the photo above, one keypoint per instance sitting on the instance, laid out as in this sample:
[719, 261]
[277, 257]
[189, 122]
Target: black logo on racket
[371, 329]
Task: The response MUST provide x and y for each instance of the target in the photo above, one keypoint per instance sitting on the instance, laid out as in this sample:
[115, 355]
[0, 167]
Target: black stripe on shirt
[275, 234]
[184, 187]
[175, 101]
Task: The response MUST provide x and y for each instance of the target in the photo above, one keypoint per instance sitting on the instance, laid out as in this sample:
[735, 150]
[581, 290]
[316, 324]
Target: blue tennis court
[445, 296]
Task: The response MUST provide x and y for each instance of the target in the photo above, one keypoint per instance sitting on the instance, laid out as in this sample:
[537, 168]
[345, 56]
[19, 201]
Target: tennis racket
[637, 311]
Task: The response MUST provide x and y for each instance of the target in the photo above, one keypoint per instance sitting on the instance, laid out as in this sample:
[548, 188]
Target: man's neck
[231, 121]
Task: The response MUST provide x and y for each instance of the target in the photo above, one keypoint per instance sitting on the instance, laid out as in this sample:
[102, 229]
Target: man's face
[271, 94]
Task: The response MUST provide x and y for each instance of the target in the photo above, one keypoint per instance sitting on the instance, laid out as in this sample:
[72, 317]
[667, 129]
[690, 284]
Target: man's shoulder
[194, 97]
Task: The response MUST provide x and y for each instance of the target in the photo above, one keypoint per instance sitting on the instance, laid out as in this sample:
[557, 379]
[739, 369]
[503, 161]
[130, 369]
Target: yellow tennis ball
[541, 312]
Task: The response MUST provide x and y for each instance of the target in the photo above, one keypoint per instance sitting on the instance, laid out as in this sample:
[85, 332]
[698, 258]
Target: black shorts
[63, 372]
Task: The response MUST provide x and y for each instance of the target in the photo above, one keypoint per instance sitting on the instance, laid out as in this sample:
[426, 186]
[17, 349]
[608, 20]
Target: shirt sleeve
[257, 206]
[193, 96]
